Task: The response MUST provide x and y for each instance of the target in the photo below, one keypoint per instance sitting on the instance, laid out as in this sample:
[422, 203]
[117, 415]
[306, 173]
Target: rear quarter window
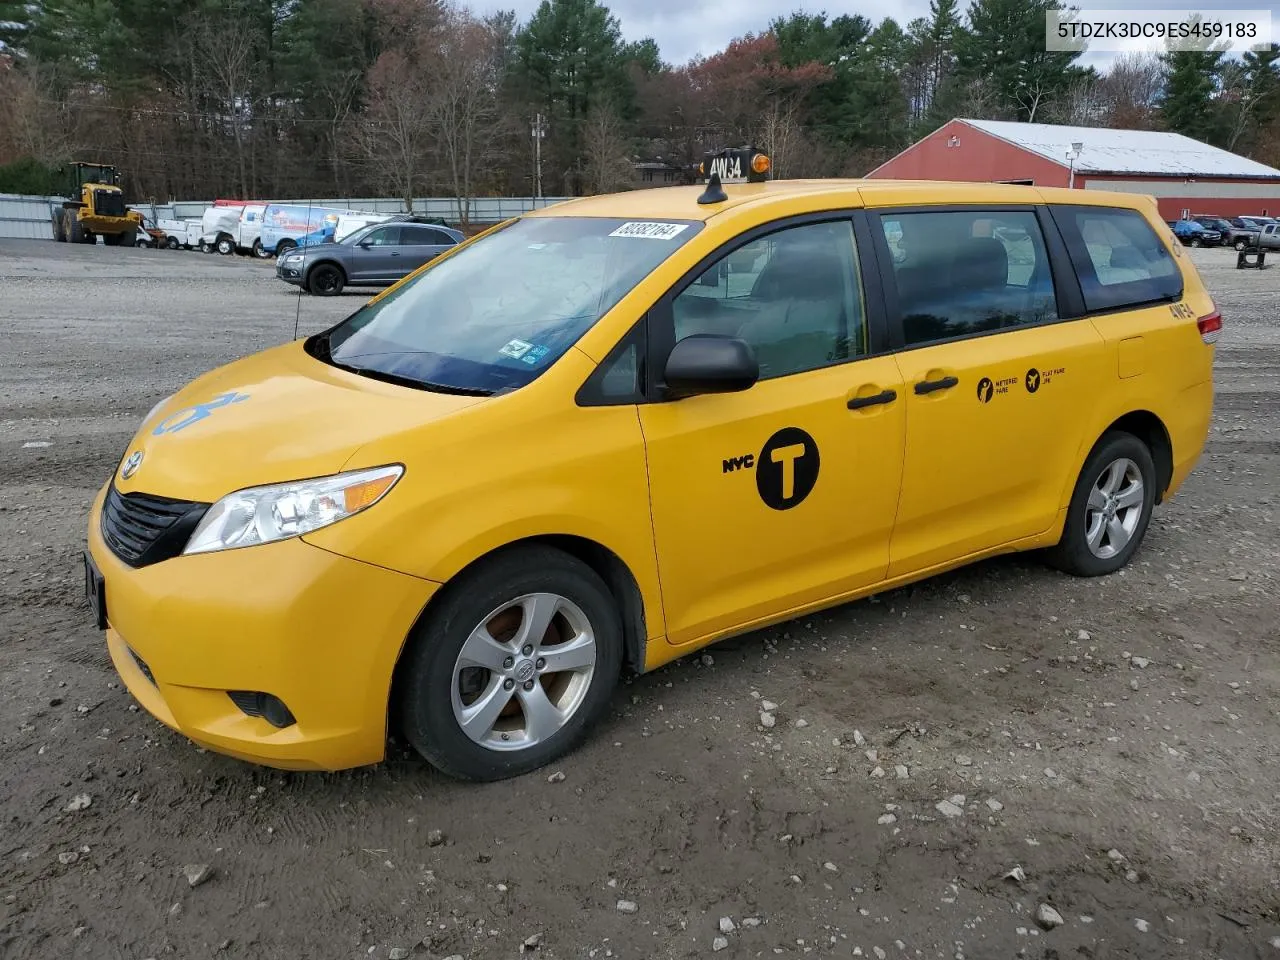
[1120, 260]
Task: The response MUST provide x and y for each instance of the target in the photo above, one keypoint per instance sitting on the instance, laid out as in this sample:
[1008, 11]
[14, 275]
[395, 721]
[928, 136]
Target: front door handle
[395, 253]
[929, 386]
[886, 396]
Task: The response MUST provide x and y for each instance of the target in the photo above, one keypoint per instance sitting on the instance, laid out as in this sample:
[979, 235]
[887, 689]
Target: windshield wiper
[411, 381]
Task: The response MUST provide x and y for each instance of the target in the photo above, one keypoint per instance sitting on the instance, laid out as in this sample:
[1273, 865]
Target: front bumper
[319, 631]
[289, 274]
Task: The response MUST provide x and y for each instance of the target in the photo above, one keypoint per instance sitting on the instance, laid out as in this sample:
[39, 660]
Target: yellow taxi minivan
[611, 432]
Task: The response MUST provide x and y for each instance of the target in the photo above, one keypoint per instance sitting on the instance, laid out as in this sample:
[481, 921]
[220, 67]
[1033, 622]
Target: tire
[1117, 460]
[259, 251]
[284, 246]
[326, 280]
[1196, 242]
[430, 679]
[59, 229]
[172, 243]
[225, 246]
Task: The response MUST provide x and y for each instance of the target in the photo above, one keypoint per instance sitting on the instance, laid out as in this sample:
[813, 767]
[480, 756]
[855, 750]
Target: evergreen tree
[1003, 48]
[1191, 80]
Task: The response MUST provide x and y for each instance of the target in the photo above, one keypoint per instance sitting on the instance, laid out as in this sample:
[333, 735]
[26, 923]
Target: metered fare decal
[786, 468]
[1031, 381]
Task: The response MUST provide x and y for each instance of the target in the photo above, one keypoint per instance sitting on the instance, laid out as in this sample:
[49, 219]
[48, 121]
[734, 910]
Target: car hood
[276, 416]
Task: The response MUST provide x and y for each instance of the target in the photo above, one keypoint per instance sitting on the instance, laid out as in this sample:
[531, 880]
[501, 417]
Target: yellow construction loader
[94, 207]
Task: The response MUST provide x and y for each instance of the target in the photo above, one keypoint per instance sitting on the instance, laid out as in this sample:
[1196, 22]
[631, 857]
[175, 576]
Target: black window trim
[661, 326]
[1066, 289]
[591, 393]
[1069, 229]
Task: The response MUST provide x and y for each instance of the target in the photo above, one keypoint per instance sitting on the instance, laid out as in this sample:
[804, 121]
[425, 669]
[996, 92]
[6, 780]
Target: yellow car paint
[911, 488]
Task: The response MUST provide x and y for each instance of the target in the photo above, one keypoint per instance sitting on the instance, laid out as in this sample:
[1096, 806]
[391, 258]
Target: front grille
[109, 203]
[142, 529]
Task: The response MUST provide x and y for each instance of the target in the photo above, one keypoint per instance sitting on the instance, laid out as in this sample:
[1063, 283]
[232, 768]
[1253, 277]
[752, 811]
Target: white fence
[28, 217]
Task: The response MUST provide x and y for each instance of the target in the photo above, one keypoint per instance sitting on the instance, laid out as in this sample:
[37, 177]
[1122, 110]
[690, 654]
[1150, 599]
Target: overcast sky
[686, 28]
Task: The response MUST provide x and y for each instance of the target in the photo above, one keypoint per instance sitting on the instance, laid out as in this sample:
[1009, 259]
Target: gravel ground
[946, 760]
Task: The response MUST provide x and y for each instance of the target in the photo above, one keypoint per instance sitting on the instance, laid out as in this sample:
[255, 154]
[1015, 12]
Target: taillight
[1210, 326]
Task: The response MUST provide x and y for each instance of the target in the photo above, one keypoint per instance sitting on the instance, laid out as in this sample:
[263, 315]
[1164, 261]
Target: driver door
[377, 256]
[782, 495]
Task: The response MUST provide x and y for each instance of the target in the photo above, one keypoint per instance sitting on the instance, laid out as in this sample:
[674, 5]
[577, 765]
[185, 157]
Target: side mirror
[706, 363]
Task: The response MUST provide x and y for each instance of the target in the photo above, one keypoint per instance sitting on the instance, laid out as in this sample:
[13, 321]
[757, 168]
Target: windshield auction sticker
[650, 231]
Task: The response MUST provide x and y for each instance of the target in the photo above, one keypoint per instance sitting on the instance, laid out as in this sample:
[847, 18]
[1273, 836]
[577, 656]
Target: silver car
[373, 256]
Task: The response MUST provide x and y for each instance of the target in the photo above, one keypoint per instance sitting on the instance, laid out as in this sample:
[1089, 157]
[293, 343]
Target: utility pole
[539, 131]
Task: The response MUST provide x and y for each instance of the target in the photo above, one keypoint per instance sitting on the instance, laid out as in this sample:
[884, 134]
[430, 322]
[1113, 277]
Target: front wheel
[172, 243]
[325, 280]
[1110, 508]
[1197, 242]
[225, 246]
[259, 251]
[514, 666]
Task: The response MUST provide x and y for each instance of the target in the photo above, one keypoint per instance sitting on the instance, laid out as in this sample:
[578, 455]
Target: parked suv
[1238, 235]
[377, 255]
[584, 442]
[1195, 234]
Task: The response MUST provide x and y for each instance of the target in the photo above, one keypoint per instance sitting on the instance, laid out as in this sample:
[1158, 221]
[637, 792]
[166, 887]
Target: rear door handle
[395, 253]
[929, 386]
[886, 396]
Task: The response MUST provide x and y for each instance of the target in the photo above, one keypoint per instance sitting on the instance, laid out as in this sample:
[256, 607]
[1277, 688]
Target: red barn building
[1184, 175]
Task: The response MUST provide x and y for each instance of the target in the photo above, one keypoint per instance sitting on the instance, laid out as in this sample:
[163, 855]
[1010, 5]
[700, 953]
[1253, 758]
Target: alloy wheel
[1115, 507]
[523, 672]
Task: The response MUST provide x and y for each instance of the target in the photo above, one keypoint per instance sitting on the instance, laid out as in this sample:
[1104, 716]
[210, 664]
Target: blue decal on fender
[194, 414]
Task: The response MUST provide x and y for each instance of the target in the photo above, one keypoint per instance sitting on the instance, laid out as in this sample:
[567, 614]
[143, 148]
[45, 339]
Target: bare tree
[1031, 95]
[35, 119]
[606, 164]
[1083, 104]
[337, 92]
[1132, 89]
[465, 101]
[779, 133]
[396, 128]
[224, 51]
[977, 98]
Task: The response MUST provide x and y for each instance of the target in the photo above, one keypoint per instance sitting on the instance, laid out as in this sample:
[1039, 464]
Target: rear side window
[964, 273]
[1120, 260]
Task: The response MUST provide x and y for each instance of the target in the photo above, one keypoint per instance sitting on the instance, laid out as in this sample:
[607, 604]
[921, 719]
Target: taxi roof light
[746, 164]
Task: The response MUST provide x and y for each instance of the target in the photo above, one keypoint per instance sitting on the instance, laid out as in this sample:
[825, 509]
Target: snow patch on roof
[1125, 151]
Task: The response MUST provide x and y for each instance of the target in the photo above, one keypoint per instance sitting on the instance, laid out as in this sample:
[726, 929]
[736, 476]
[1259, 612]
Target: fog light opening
[269, 707]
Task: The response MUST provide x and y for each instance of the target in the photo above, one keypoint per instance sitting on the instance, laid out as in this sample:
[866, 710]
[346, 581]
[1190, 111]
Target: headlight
[293, 258]
[284, 510]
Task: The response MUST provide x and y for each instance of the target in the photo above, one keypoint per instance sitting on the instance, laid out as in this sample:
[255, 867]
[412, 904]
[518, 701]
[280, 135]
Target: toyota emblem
[131, 465]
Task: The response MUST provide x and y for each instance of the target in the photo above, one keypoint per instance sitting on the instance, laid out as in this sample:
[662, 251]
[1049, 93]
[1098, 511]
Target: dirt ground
[1106, 747]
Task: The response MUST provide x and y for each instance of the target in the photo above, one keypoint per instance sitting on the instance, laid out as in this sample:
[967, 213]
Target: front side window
[382, 237]
[962, 273]
[1119, 258]
[490, 317]
[794, 296]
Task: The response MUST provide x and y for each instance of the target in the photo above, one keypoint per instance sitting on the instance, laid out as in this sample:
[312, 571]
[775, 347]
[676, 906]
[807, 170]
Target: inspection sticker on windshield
[650, 231]
[515, 349]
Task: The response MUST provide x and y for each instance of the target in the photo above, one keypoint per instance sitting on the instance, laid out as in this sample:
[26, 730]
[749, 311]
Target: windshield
[496, 314]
